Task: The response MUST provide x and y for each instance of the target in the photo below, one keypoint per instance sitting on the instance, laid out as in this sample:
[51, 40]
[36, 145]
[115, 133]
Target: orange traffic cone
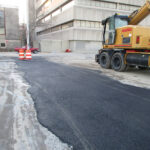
[21, 54]
[28, 55]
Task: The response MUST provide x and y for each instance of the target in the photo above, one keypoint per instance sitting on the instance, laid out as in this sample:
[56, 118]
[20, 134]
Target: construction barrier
[28, 55]
[21, 54]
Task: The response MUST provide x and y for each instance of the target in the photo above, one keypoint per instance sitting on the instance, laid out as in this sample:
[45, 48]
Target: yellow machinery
[124, 42]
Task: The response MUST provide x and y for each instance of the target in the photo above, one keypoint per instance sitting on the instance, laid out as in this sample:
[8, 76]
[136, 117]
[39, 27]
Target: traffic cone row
[25, 54]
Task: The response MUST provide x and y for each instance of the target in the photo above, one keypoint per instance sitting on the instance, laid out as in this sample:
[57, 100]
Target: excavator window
[110, 26]
[109, 31]
[120, 22]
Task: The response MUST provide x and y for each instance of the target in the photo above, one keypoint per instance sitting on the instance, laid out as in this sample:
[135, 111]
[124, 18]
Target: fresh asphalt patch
[87, 109]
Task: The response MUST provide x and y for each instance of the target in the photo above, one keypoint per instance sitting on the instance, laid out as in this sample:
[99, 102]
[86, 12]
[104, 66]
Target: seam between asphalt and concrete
[24, 129]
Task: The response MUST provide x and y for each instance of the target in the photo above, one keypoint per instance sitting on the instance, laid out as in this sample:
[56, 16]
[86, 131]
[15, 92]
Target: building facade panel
[12, 24]
[78, 21]
[2, 21]
[9, 28]
[54, 45]
[85, 46]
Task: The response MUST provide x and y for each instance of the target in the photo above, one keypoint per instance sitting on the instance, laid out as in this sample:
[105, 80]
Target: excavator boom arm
[138, 15]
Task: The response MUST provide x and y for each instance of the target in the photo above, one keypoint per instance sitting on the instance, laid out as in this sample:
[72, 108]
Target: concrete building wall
[11, 36]
[54, 45]
[78, 23]
[85, 46]
[12, 23]
[32, 21]
[12, 28]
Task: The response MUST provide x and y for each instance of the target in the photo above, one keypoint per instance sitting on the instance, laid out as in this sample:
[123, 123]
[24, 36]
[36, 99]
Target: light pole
[27, 31]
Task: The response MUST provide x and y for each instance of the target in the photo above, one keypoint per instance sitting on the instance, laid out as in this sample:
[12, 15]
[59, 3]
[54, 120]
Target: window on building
[68, 5]
[43, 20]
[3, 45]
[2, 22]
[47, 18]
[46, 6]
[98, 3]
[92, 24]
[56, 28]
[42, 9]
[67, 25]
[42, 1]
[78, 23]
[127, 7]
[83, 23]
[55, 13]
[44, 32]
[87, 24]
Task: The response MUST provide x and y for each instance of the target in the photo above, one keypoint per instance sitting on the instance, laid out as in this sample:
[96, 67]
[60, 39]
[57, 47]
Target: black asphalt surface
[87, 109]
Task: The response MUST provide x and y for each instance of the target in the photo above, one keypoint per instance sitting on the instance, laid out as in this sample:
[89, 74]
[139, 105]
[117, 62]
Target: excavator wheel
[118, 63]
[105, 60]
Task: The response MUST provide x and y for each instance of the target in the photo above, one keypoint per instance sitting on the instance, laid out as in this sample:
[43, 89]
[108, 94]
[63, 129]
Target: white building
[75, 24]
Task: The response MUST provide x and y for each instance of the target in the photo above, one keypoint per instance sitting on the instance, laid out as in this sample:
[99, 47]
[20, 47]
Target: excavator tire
[118, 63]
[105, 60]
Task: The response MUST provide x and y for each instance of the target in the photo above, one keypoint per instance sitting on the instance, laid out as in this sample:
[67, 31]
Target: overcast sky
[21, 4]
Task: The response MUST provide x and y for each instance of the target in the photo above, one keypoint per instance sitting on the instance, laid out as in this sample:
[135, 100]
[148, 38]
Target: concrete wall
[32, 18]
[83, 39]
[12, 37]
[75, 46]
[59, 35]
[54, 45]
[78, 40]
[11, 44]
[94, 14]
[59, 19]
[85, 46]
[12, 24]
[129, 2]
[52, 7]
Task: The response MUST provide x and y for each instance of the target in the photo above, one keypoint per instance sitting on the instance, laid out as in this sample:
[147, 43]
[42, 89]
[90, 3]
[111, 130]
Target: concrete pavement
[86, 109]
[19, 127]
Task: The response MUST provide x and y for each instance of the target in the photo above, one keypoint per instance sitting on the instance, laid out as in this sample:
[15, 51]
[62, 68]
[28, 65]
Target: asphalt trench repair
[86, 109]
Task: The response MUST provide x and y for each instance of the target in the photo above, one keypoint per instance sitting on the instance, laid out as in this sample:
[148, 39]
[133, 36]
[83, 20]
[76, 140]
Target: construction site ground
[64, 101]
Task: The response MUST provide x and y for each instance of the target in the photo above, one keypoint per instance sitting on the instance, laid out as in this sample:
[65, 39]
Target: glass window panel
[2, 24]
[88, 24]
[56, 12]
[67, 25]
[92, 25]
[68, 5]
[2, 30]
[97, 25]
[47, 18]
[83, 23]
[78, 24]
[97, 4]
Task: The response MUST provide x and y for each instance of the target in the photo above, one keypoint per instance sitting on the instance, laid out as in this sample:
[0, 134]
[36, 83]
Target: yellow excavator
[125, 43]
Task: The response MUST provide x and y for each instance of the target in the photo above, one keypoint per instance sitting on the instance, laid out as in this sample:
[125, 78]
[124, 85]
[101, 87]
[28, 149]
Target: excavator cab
[110, 25]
